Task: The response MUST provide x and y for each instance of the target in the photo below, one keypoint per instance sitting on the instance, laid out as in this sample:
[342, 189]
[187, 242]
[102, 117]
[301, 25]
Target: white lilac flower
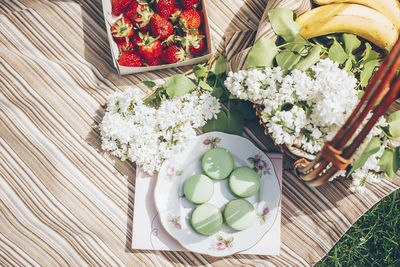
[146, 135]
[307, 106]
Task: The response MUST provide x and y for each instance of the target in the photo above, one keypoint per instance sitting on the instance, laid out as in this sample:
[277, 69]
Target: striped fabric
[64, 201]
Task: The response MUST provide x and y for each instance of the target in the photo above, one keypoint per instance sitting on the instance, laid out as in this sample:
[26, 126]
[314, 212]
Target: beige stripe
[64, 200]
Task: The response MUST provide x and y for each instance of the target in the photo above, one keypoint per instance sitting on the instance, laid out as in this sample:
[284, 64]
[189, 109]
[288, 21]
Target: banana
[389, 8]
[350, 18]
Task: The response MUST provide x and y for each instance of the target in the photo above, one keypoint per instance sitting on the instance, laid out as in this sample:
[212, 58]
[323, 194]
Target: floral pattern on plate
[175, 210]
[259, 165]
[221, 243]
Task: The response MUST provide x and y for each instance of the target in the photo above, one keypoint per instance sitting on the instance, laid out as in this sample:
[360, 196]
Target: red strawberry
[154, 62]
[125, 46]
[161, 27]
[150, 48]
[118, 6]
[197, 50]
[190, 19]
[131, 10]
[176, 13]
[201, 16]
[137, 38]
[193, 42]
[164, 7]
[190, 4]
[141, 18]
[122, 29]
[129, 59]
[173, 54]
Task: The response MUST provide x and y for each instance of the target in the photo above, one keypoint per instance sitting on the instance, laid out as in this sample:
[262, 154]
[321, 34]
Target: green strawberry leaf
[312, 58]
[393, 121]
[219, 65]
[389, 162]
[178, 85]
[286, 59]
[336, 53]
[149, 84]
[369, 54]
[219, 124]
[205, 86]
[373, 146]
[283, 24]
[262, 54]
[367, 71]
[200, 71]
[351, 42]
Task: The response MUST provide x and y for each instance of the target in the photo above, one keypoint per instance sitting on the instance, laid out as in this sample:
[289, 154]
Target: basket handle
[384, 87]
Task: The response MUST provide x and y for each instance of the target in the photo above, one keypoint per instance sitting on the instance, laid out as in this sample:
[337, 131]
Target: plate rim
[233, 253]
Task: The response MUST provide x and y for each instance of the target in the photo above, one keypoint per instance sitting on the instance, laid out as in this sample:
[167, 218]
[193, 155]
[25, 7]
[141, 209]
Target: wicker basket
[336, 154]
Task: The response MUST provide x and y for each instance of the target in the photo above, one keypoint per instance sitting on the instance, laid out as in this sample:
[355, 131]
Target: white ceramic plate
[175, 210]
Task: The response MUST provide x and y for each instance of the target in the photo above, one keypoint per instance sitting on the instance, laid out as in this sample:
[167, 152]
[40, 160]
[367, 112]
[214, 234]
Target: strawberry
[165, 7]
[125, 47]
[137, 38]
[173, 54]
[141, 18]
[190, 4]
[131, 10]
[122, 29]
[161, 27]
[190, 19]
[118, 6]
[169, 41]
[197, 50]
[193, 42]
[154, 62]
[176, 13]
[129, 59]
[150, 48]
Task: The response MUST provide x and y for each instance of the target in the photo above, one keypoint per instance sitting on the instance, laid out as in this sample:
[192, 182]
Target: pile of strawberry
[156, 32]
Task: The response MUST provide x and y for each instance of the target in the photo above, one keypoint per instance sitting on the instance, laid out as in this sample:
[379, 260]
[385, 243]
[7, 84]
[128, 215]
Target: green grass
[374, 240]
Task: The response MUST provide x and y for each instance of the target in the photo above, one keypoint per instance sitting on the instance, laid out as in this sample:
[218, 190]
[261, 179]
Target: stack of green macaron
[239, 214]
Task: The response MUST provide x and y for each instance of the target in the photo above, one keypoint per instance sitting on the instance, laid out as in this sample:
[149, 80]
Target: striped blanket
[64, 201]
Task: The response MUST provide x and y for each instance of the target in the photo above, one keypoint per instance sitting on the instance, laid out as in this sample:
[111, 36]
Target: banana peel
[389, 8]
[349, 18]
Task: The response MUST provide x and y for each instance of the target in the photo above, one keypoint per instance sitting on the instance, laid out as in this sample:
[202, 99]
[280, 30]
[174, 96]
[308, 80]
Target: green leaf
[373, 147]
[337, 53]
[367, 71]
[308, 61]
[286, 59]
[219, 65]
[203, 85]
[235, 123]
[246, 109]
[393, 121]
[218, 124]
[348, 65]
[149, 84]
[178, 85]
[262, 54]
[297, 45]
[369, 54]
[200, 71]
[351, 42]
[389, 162]
[283, 24]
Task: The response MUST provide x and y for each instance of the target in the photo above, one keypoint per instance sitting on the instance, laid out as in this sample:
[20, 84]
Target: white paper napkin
[148, 233]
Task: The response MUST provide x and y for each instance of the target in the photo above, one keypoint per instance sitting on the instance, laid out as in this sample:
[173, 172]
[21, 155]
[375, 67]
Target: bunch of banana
[375, 20]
